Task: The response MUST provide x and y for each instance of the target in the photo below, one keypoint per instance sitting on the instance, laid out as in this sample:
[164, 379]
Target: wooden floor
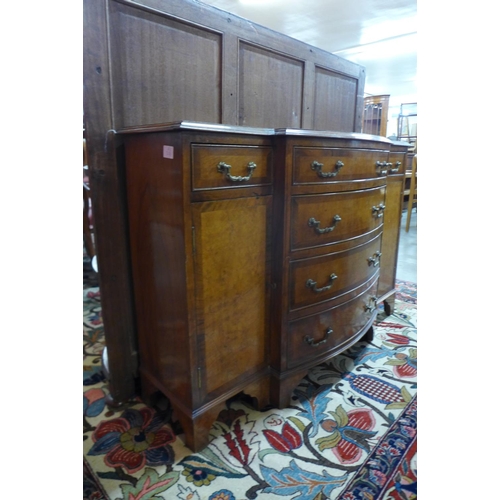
[407, 253]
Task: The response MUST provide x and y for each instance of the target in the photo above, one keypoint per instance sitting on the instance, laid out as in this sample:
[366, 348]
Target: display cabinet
[375, 115]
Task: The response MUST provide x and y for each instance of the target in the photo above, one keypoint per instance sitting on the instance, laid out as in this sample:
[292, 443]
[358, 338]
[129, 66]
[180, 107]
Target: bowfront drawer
[326, 219]
[334, 330]
[319, 279]
[320, 165]
[230, 166]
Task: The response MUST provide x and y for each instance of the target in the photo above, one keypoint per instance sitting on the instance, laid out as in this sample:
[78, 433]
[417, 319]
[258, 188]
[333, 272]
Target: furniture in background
[407, 123]
[412, 191]
[157, 61]
[256, 254]
[375, 115]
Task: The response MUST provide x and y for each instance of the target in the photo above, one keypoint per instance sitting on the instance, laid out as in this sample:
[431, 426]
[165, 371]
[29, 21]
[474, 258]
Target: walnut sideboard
[256, 254]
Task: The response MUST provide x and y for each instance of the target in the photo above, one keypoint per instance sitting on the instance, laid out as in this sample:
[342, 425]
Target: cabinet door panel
[232, 265]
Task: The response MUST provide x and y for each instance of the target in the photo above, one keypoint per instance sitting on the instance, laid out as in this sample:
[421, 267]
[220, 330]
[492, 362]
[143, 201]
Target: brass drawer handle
[315, 224]
[396, 168]
[312, 284]
[371, 308]
[310, 341]
[380, 165]
[224, 168]
[317, 166]
[375, 260]
[378, 211]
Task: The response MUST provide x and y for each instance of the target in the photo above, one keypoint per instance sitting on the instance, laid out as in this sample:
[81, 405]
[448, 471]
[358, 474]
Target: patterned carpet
[349, 433]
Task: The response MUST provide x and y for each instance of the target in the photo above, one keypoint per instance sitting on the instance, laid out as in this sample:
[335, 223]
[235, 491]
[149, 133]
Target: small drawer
[331, 331]
[318, 279]
[323, 165]
[396, 163]
[326, 219]
[230, 166]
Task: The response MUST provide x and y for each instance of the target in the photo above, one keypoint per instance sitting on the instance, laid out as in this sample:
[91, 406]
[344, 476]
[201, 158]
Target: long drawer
[326, 219]
[318, 279]
[315, 336]
[320, 165]
[230, 166]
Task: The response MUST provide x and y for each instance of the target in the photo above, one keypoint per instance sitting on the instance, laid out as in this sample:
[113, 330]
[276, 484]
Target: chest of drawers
[256, 254]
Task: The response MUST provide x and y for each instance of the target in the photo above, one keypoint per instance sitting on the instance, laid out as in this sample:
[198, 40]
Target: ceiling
[380, 35]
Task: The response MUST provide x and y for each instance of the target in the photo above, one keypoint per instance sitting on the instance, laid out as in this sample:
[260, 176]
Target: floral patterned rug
[349, 433]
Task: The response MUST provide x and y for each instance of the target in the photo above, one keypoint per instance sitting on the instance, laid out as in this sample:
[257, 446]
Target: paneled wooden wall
[154, 61]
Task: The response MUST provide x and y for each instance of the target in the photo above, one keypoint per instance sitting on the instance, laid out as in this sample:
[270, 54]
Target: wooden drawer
[326, 219]
[319, 279]
[396, 163]
[230, 166]
[323, 165]
[319, 335]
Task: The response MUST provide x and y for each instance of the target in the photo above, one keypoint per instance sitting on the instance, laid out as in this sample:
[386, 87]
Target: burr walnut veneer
[256, 254]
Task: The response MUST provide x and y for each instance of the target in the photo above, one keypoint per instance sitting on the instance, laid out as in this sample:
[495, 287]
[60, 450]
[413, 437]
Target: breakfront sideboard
[256, 254]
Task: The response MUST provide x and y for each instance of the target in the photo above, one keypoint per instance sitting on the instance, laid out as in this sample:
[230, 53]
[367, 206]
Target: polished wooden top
[198, 127]
[237, 129]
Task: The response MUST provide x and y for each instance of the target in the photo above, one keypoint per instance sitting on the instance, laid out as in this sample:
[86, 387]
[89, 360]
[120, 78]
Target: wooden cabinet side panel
[390, 238]
[108, 207]
[232, 267]
[158, 254]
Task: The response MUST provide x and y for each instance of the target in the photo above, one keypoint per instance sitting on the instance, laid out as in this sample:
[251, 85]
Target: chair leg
[408, 214]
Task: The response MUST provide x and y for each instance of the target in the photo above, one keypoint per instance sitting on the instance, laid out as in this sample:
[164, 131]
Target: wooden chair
[412, 192]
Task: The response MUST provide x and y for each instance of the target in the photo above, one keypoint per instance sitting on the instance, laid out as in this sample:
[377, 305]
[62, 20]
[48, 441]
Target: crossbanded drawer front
[319, 279]
[315, 336]
[230, 166]
[323, 165]
[396, 161]
[327, 219]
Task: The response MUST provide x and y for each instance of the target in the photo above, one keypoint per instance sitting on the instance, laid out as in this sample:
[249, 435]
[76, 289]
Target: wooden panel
[354, 209]
[350, 268]
[340, 92]
[232, 266]
[265, 77]
[109, 208]
[344, 321]
[167, 58]
[390, 240]
[356, 164]
[205, 160]
[156, 222]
